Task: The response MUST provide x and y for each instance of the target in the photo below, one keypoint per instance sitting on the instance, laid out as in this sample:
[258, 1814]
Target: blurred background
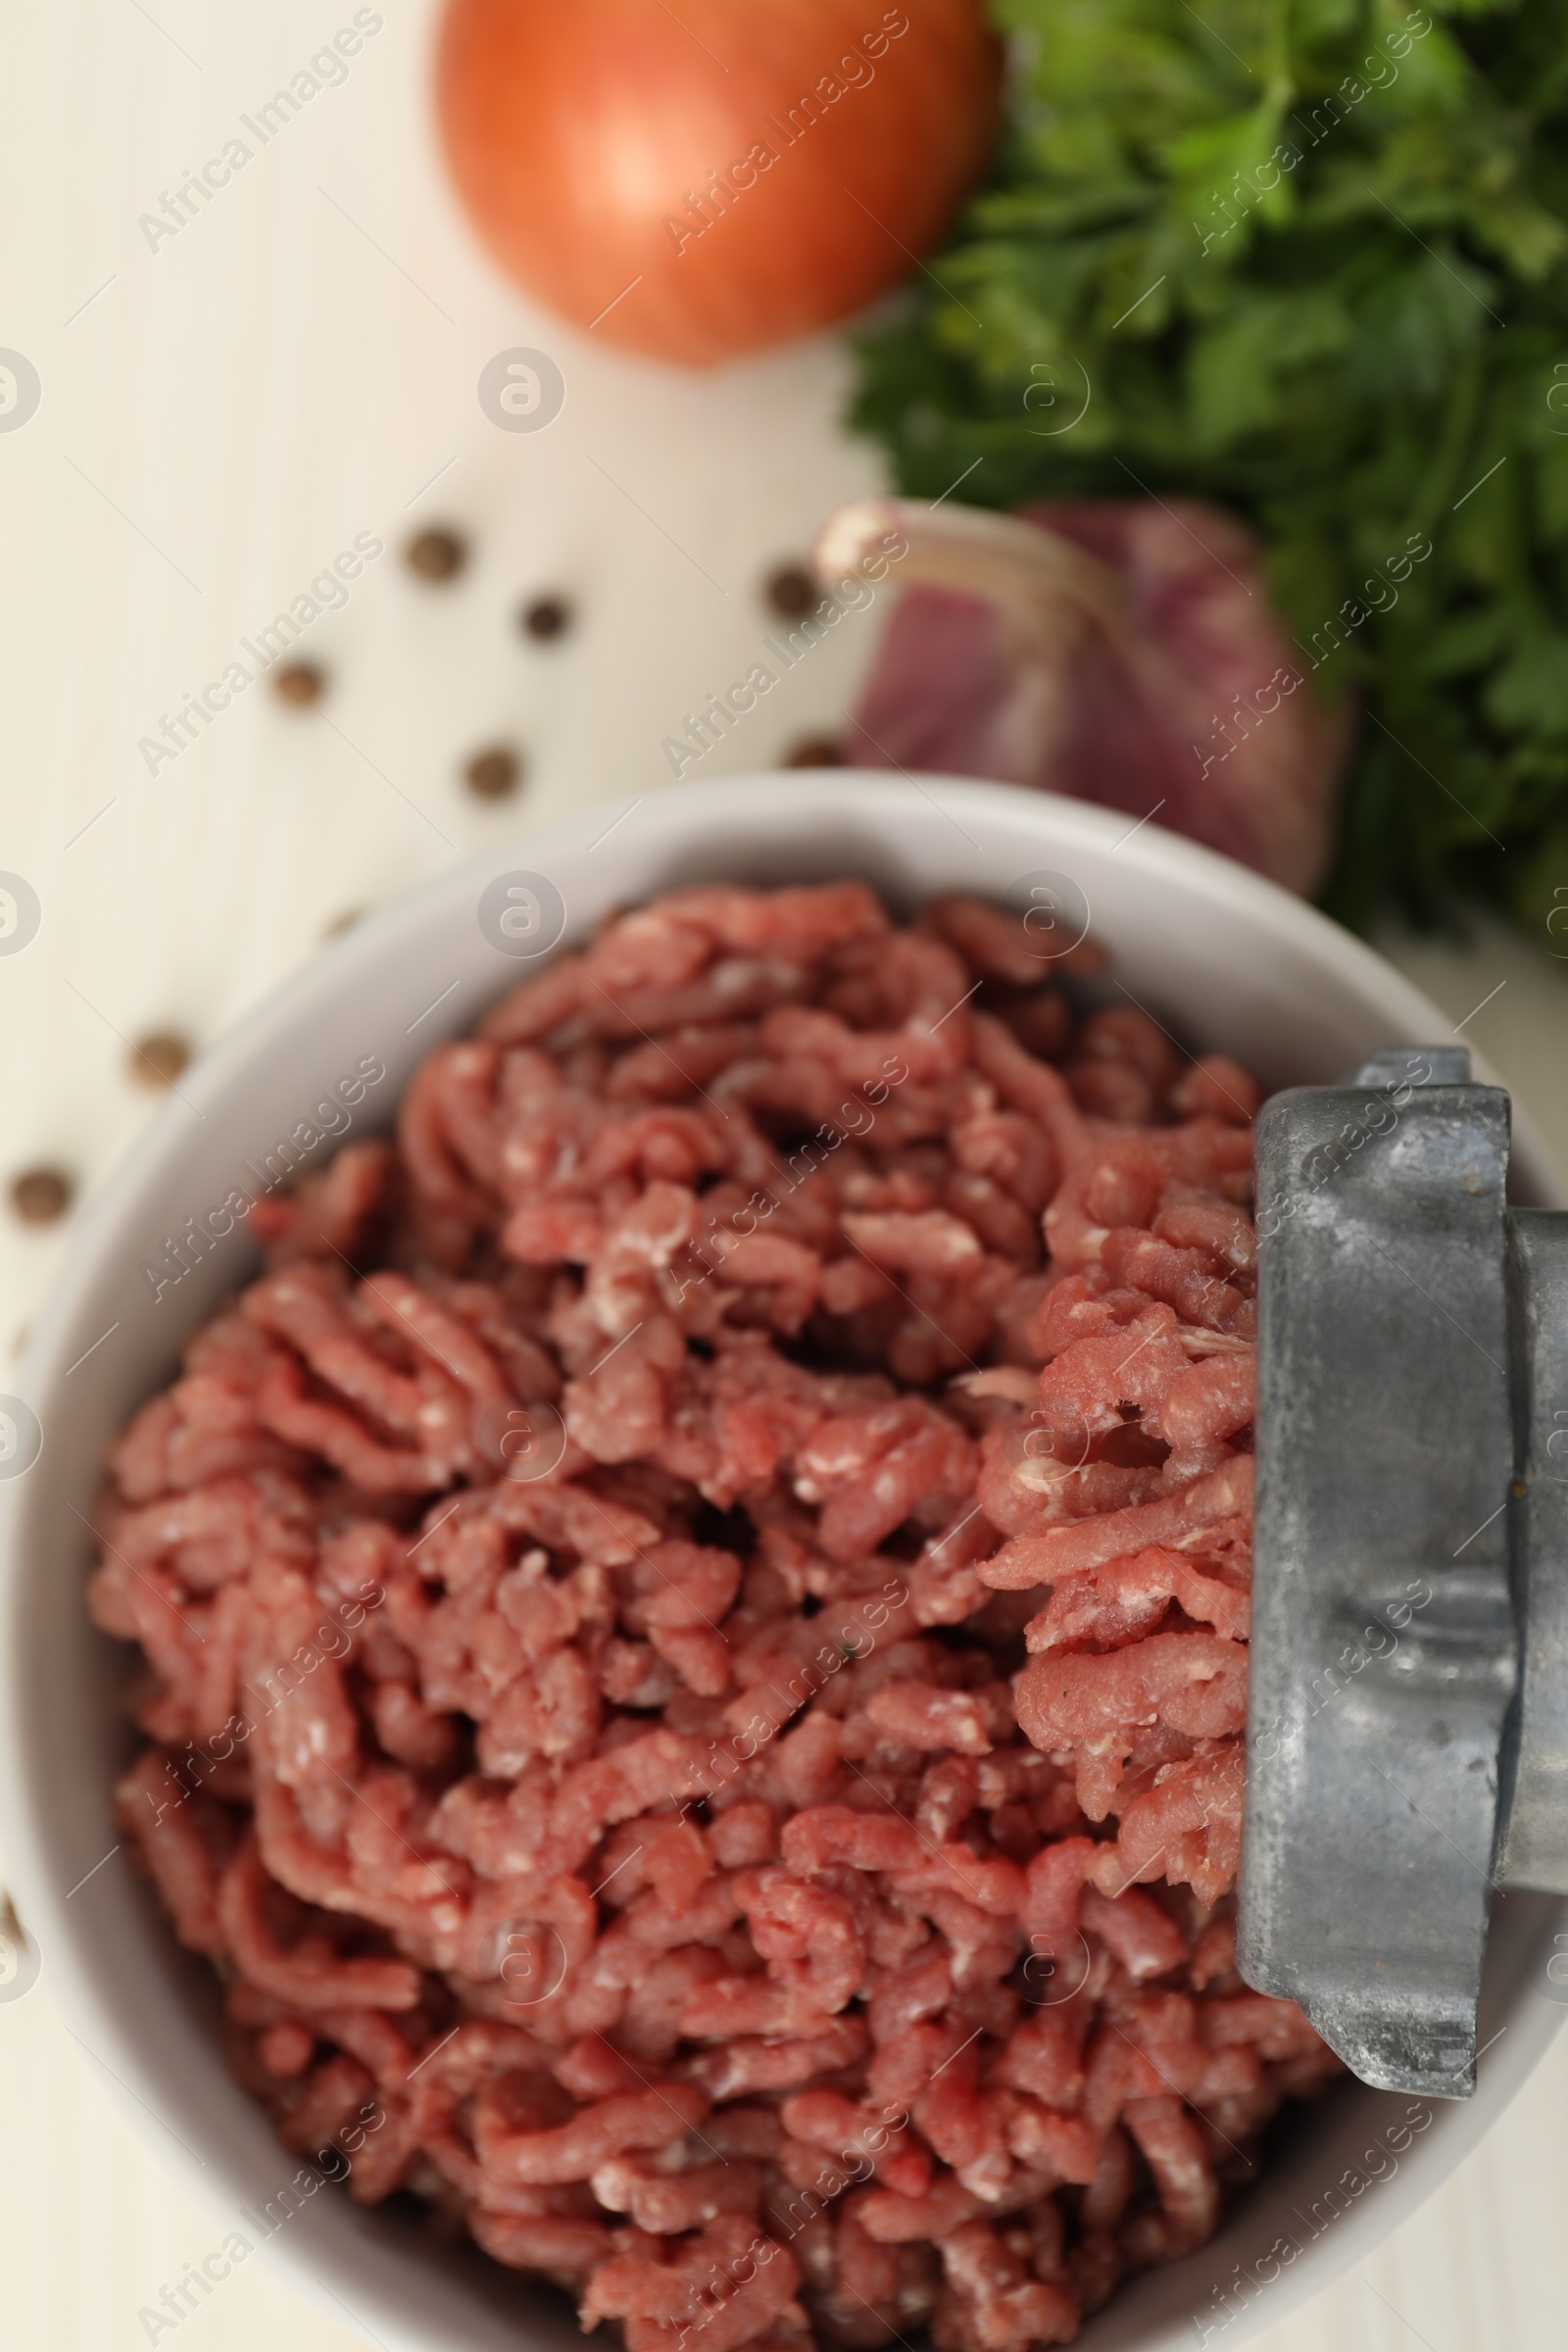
[222, 410]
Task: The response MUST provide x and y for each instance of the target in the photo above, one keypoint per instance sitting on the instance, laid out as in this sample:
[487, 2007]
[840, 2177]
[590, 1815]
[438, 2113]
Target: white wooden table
[223, 410]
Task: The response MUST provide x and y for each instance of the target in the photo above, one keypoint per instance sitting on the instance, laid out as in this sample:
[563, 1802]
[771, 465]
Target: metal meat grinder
[1408, 1723]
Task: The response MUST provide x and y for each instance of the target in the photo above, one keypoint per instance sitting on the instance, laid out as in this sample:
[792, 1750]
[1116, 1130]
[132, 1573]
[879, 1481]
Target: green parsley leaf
[1310, 258]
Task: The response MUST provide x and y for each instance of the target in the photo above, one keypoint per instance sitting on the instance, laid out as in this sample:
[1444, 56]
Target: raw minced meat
[694, 1636]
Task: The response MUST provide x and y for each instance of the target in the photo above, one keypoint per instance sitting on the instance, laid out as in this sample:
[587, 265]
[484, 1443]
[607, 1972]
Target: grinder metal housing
[1408, 1728]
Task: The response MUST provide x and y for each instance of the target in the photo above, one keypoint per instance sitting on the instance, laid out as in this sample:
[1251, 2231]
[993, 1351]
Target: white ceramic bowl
[1225, 959]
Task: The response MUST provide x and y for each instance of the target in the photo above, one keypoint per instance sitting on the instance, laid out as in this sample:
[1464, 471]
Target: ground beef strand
[693, 1637]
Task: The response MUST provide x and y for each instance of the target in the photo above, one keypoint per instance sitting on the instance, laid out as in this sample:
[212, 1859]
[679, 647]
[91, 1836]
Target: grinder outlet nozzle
[1407, 1722]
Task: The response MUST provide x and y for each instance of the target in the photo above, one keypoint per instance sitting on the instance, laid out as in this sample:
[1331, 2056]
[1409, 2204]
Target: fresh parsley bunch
[1309, 259]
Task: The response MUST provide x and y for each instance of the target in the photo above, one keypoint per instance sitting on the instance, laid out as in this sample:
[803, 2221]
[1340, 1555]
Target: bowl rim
[735, 806]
